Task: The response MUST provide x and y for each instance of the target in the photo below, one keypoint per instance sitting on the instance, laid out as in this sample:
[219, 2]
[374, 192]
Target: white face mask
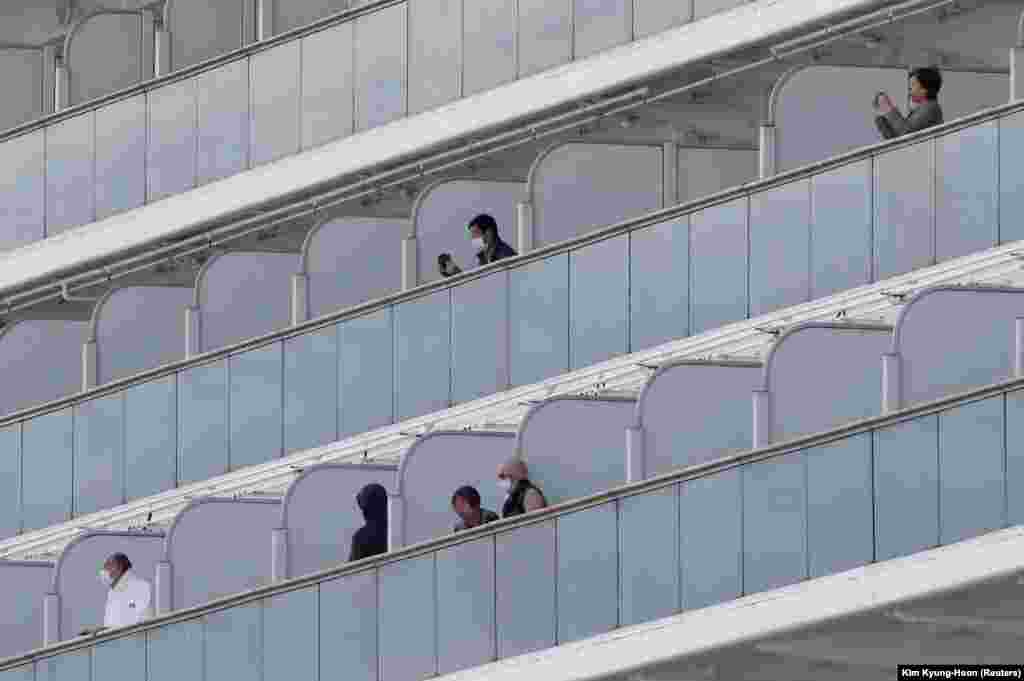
[505, 485]
[105, 577]
[478, 243]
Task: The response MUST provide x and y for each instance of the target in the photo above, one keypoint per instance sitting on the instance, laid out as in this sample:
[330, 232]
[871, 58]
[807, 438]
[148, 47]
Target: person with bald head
[522, 495]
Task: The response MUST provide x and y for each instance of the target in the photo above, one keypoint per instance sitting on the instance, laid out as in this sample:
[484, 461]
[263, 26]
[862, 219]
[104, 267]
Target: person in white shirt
[129, 600]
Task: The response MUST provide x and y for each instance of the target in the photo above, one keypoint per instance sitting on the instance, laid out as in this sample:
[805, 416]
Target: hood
[373, 501]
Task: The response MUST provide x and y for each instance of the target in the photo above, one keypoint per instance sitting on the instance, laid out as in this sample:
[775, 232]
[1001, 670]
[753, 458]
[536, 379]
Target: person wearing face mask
[372, 538]
[129, 599]
[522, 495]
[925, 84]
[489, 247]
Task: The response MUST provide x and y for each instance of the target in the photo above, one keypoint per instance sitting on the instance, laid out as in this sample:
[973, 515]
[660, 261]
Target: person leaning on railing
[925, 84]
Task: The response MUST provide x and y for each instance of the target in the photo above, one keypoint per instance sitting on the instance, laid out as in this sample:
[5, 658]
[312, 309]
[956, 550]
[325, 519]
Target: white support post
[162, 588]
[193, 321]
[766, 150]
[161, 46]
[61, 85]
[300, 298]
[892, 383]
[264, 19]
[51, 619]
[396, 522]
[670, 174]
[524, 227]
[279, 558]
[762, 412]
[410, 274]
[89, 379]
[1016, 74]
[49, 77]
[1018, 344]
[636, 455]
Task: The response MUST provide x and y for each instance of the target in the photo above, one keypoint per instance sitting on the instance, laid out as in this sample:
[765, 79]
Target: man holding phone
[925, 84]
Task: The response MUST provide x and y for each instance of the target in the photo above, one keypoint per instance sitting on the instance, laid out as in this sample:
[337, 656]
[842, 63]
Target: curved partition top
[443, 210]
[708, 170]
[22, 71]
[103, 52]
[439, 463]
[203, 30]
[219, 546]
[24, 585]
[244, 294]
[320, 513]
[575, 446]
[820, 375]
[954, 338]
[43, 357]
[695, 411]
[138, 328]
[577, 186]
[352, 260]
[82, 596]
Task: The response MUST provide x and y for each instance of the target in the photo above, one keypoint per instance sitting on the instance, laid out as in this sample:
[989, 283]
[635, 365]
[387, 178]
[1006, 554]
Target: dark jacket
[514, 503]
[372, 538]
[496, 251]
[487, 516]
[894, 124]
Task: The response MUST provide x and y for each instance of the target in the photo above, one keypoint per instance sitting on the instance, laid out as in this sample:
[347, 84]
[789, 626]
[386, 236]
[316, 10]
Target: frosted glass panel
[47, 446]
[659, 282]
[223, 105]
[423, 355]
[275, 102]
[202, 422]
[256, 409]
[435, 68]
[99, 454]
[380, 45]
[489, 35]
[70, 184]
[10, 481]
[120, 156]
[150, 438]
[718, 266]
[171, 159]
[23, 190]
[538, 319]
[327, 85]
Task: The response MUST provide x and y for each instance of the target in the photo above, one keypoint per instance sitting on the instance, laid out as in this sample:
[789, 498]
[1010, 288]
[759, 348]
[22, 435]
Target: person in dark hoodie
[489, 247]
[372, 538]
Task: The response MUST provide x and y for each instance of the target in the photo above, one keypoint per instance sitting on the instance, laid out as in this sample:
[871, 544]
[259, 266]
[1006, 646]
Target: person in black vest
[466, 504]
[523, 495]
[372, 538]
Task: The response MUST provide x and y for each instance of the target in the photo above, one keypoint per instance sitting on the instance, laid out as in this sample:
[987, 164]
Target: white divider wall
[951, 339]
[432, 469]
[704, 171]
[137, 328]
[105, 54]
[215, 547]
[24, 585]
[43, 358]
[842, 117]
[818, 376]
[77, 599]
[574, 446]
[443, 210]
[689, 413]
[22, 72]
[319, 515]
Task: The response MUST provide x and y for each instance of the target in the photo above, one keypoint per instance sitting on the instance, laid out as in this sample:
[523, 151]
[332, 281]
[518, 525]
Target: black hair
[485, 222]
[930, 79]
[469, 493]
[122, 561]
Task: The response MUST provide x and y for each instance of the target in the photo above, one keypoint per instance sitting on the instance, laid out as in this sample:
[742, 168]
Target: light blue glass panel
[171, 152]
[234, 643]
[311, 389]
[10, 481]
[655, 16]
[120, 156]
[659, 281]
[906, 469]
[366, 388]
[601, 24]
[904, 239]
[99, 454]
[407, 619]
[1015, 457]
[972, 482]
[711, 544]
[123, 659]
[257, 415]
[718, 266]
[435, 59]
[46, 485]
[840, 229]
[480, 337]
[150, 438]
[223, 108]
[588, 573]
[381, 69]
[545, 35]
[525, 617]
[422, 355]
[780, 244]
[539, 320]
[69, 173]
[967, 186]
[649, 556]
[22, 190]
[1011, 177]
[774, 523]
[26, 673]
[290, 636]
[465, 605]
[489, 48]
[328, 81]
[839, 510]
[348, 628]
[599, 302]
[276, 98]
[75, 666]
[176, 651]
[202, 422]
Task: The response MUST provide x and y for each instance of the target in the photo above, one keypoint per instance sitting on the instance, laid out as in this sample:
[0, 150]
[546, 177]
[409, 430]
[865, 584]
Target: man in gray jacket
[924, 90]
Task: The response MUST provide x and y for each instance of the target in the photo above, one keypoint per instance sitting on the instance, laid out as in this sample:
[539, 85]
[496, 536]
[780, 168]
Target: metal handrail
[534, 518]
